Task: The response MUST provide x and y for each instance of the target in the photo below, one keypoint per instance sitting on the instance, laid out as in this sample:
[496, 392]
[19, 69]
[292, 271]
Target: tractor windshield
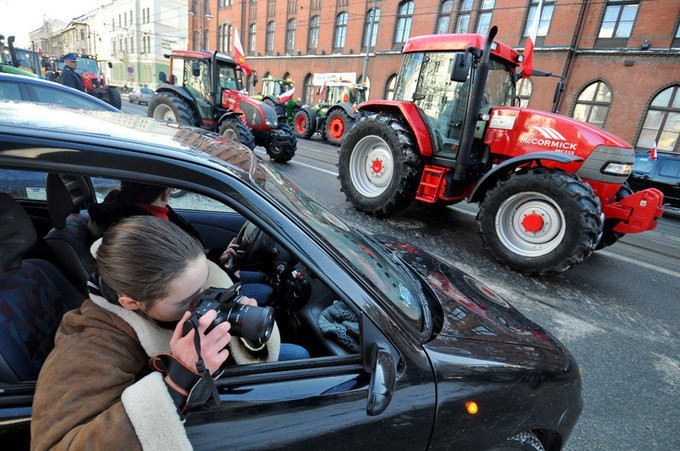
[87, 65]
[425, 79]
[229, 78]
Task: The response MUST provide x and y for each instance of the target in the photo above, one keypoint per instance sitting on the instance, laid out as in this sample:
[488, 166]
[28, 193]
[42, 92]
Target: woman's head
[153, 265]
[140, 193]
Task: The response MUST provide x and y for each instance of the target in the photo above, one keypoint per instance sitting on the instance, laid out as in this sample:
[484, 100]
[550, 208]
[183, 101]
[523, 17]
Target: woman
[121, 369]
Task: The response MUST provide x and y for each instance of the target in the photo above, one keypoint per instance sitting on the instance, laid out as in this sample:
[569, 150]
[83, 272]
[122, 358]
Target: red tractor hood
[516, 131]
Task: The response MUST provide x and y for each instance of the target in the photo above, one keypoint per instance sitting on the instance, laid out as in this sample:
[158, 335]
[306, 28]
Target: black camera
[255, 324]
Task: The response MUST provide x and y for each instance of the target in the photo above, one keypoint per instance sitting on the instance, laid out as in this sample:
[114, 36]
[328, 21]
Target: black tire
[540, 221]
[304, 128]
[113, 95]
[167, 106]
[236, 129]
[283, 149]
[610, 237]
[527, 441]
[338, 124]
[389, 184]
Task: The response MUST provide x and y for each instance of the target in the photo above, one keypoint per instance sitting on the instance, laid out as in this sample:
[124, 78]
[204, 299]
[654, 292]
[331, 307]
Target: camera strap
[204, 392]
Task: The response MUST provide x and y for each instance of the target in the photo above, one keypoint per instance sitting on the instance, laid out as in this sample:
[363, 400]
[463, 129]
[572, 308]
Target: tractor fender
[229, 114]
[312, 113]
[345, 106]
[508, 166]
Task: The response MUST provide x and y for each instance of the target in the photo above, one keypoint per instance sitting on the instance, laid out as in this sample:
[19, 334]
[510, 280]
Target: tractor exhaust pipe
[472, 111]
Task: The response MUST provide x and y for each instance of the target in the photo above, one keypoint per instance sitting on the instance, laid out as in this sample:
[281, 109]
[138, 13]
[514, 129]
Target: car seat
[34, 295]
[70, 238]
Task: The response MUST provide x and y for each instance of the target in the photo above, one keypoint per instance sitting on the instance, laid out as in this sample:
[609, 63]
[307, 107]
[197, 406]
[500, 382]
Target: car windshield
[146, 91]
[393, 280]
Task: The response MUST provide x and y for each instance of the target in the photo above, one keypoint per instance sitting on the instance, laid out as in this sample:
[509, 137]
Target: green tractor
[334, 115]
[278, 93]
[9, 62]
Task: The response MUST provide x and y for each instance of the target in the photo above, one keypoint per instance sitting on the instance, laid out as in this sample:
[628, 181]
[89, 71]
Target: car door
[322, 403]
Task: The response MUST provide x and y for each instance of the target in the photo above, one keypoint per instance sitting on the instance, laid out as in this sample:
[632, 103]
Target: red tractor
[551, 189]
[94, 81]
[205, 89]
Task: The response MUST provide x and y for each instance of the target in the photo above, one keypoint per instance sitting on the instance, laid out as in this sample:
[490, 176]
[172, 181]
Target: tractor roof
[202, 54]
[458, 43]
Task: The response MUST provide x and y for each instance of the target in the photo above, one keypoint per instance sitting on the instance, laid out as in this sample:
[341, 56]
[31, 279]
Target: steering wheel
[256, 247]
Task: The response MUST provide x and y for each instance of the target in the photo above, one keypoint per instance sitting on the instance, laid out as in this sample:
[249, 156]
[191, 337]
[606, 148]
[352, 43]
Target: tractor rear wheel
[304, 126]
[284, 146]
[235, 129]
[379, 165]
[540, 221]
[166, 106]
[610, 237]
[338, 123]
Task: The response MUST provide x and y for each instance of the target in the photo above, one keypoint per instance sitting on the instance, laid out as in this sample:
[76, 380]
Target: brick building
[620, 59]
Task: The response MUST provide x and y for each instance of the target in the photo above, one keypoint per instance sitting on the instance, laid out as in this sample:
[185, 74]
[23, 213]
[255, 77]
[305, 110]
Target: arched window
[485, 14]
[404, 19]
[226, 31]
[269, 40]
[371, 28]
[308, 90]
[290, 36]
[593, 104]
[252, 29]
[389, 87]
[662, 121]
[313, 35]
[524, 92]
[444, 17]
[340, 32]
[463, 20]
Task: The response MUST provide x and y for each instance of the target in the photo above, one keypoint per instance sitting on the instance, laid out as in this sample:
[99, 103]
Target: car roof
[57, 86]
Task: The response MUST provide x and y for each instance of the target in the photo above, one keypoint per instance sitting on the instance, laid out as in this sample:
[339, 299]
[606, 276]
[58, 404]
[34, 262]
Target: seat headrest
[17, 233]
[66, 194]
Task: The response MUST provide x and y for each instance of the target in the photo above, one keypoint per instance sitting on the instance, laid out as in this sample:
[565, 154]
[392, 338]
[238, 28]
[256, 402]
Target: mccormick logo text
[551, 138]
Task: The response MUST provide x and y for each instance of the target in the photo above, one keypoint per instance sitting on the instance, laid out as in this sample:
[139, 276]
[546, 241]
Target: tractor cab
[351, 93]
[274, 87]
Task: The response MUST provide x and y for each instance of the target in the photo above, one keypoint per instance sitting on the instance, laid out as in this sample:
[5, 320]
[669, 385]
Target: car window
[45, 94]
[9, 91]
[183, 200]
[643, 165]
[670, 169]
[23, 185]
[147, 91]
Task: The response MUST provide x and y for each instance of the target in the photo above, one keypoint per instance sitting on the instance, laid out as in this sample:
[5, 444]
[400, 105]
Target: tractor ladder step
[431, 184]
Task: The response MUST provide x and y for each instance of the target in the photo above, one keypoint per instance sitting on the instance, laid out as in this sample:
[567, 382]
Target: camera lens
[252, 323]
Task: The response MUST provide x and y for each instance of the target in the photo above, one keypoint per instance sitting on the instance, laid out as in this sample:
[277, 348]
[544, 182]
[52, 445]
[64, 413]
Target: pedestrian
[69, 76]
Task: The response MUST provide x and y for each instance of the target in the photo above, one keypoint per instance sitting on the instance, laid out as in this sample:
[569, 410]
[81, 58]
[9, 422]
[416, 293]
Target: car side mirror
[383, 381]
[461, 67]
[195, 68]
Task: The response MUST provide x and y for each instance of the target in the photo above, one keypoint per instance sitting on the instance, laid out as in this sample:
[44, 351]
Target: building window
[269, 38]
[340, 32]
[389, 87]
[617, 23]
[524, 89]
[404, 20]
[662, 121]
[292, 7]
[544, 22]
[313, 36]
[251, 38]
[593, 104]
[485, 14]
[271, 8]
[290, 36]
[444, 17]
[463, 21]
[225, 38]
[371, 28]
[308, 90]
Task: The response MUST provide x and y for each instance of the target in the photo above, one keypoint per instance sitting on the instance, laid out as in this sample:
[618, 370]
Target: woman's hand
[247, 301]
[213, 344]
[232, 251]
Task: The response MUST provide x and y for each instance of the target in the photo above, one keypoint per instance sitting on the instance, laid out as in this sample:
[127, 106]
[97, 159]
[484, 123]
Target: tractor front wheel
[283, 144]
[166, 106]
[610, 237]
[235, 129]
[379, 165]
[338, 124]
[303, 123]
[540, 221]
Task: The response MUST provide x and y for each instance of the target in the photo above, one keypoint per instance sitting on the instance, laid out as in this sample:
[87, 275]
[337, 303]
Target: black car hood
[472, 322]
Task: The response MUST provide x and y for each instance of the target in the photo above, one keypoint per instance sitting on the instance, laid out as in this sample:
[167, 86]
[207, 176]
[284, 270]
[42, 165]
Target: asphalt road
[617, 312]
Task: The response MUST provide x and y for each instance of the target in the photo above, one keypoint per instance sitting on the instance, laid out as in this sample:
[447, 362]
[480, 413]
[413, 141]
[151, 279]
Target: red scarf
[161, 212]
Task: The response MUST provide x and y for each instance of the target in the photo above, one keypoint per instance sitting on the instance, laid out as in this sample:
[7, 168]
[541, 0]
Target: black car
[437, 360]
[25, 89]
[662, 173]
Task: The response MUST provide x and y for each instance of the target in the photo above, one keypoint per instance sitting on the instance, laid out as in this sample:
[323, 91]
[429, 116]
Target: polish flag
[528, 53]
[322, 88]
[652, 153]
[286, 96]
[239, 55]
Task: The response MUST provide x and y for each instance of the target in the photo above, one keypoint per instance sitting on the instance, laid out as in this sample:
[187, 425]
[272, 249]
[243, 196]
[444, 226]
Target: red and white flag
[652, 153]
[286, 96]
[528, 53]
[239, 54]
[322, 88]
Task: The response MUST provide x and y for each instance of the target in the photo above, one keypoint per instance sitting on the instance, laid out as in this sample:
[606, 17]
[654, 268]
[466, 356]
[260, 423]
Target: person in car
[122, 368]
[69, 77]
[143, 199]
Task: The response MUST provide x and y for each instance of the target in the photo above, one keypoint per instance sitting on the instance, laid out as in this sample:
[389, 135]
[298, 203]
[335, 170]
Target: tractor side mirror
[110, 64]
[162, 77]
[255, 79]
[195, 68]
[461, 67]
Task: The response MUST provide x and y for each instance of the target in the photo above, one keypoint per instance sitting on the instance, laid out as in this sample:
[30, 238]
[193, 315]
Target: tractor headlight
[617, 168]
[272, 123]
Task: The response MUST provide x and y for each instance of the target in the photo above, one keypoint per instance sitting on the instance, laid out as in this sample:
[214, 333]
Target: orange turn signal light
[471, 407]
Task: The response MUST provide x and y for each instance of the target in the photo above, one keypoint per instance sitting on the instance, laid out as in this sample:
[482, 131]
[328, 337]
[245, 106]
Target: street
[617, 312]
